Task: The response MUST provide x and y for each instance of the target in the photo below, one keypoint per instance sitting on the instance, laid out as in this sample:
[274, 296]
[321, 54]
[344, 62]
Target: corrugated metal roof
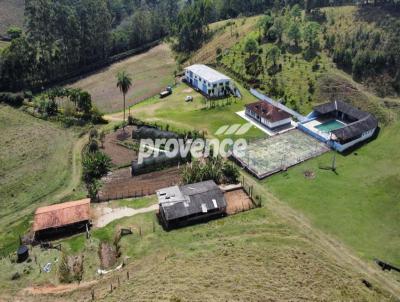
[207, 73]
[198, 199]
[62, 214]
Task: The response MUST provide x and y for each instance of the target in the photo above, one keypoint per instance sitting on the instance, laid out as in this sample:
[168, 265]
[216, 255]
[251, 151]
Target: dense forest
[63, 37]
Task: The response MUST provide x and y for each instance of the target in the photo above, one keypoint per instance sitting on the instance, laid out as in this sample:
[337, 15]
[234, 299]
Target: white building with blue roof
[210, 81]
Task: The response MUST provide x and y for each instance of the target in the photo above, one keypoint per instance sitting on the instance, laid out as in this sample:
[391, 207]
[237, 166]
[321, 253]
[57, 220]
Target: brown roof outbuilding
[268, 111]
[62, 214]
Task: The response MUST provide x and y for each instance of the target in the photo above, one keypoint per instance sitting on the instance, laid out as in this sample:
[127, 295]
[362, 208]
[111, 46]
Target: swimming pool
[330, 126]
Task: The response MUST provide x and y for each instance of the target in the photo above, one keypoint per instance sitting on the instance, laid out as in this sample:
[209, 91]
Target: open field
[250, 256]
[11, 13]
[36, 157]
[359, 205]
[198, 114]
[151, 72]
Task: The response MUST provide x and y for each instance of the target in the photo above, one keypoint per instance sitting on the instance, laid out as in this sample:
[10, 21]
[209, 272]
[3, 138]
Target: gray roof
[364, 120]
[188, 200]
[207, 73]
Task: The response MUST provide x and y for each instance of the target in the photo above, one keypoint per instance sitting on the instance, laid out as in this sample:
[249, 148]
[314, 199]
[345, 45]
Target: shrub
[93, 146]
[231, 173]
[12, 99]
[95, 165]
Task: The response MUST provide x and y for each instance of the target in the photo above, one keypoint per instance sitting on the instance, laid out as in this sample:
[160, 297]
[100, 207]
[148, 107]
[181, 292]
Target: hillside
[11, 13]
[151, 72]
[36, 161]
[249, 256]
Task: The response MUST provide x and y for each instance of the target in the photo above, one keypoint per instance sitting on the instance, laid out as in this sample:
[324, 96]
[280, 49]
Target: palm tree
[124, 83]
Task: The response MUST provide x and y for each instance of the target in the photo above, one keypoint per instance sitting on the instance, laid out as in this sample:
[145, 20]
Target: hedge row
[13, 99]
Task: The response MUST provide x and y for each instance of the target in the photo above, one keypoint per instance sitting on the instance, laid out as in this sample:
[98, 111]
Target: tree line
[64, 36]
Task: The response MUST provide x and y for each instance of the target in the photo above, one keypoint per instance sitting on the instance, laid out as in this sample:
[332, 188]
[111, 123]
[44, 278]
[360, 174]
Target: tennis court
[265, 157]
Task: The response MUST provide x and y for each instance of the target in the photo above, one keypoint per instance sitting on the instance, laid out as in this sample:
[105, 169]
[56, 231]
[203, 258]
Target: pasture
[151, 71]
[360, 205]
[255, 247]
[35, 161]
[11, 13]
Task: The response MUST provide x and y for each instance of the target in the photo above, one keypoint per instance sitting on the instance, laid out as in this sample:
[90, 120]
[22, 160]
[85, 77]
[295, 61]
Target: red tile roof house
[268, 115]
[61, 219]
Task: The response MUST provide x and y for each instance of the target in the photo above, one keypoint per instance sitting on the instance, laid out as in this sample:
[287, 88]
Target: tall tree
[124, 83]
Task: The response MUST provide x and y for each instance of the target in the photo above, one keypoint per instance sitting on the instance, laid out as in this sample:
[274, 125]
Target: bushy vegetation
[70, 105]
[96, 164]
[370, 52]
[212, 168]
[13, 99]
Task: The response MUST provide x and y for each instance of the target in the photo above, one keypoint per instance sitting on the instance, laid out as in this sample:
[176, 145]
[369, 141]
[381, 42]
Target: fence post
[127, 275]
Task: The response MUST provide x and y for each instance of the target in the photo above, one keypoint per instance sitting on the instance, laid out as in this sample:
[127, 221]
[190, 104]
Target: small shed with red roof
[70, 217]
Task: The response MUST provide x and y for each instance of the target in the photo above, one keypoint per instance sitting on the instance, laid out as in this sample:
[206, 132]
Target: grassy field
[35, 158]
[359, 205]
[244, 257]
[11, 13]
[198, 114]
[4, 44]
[151, 72]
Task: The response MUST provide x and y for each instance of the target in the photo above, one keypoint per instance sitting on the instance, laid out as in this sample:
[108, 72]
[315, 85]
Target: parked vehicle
[166, 92]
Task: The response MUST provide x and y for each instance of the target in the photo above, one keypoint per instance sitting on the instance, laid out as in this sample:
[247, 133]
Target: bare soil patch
[108, 255]
[237, 201]
[114, 148]
[120, 184]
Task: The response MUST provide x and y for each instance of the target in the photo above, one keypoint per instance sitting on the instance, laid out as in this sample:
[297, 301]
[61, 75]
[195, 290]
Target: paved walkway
[105, 215]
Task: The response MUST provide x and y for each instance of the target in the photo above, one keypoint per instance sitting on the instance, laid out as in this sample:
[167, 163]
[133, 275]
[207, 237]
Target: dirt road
[104, 215]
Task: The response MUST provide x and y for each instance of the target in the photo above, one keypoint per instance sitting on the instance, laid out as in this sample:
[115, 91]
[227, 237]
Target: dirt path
[334, 248]
[105, 215]
[58, 289]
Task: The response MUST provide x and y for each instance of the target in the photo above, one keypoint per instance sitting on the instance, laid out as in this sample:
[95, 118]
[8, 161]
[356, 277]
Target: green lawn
[198, 114]
[361, 204]
[35, 160]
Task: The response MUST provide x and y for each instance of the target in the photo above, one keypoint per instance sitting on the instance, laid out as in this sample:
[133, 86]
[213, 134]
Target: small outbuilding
[268, 115]
[210, 81]
[64, 218]
[189, 204]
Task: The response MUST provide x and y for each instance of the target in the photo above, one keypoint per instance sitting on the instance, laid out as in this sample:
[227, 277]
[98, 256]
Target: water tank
[22, 253]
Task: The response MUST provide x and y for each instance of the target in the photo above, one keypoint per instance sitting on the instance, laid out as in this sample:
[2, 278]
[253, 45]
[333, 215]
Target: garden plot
[268, 156]
[120, 184]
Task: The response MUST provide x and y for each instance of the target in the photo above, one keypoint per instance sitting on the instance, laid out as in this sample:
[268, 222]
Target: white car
[189, 98]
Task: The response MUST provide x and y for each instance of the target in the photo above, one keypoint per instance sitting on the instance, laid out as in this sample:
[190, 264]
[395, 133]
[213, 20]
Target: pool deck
[314, 124]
